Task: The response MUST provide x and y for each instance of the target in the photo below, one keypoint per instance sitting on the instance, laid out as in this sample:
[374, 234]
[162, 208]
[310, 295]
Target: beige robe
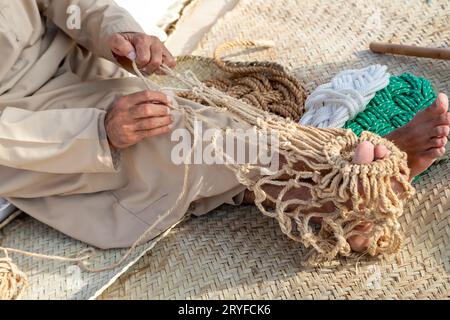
[55, 160]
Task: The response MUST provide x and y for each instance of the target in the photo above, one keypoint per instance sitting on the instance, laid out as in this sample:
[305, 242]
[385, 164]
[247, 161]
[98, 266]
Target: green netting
[394, 106]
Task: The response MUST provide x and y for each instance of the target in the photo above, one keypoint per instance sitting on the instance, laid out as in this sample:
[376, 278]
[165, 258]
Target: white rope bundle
[332, 104]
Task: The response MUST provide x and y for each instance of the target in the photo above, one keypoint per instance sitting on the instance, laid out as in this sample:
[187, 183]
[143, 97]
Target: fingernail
[170, 100]
[132, 56]
[171, 126]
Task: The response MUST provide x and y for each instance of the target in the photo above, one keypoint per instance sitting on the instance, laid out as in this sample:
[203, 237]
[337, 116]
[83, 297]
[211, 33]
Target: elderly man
[82, 147]
[86, 151]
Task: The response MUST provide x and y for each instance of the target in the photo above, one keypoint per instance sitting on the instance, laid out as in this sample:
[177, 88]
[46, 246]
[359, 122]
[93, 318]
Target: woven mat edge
[134, 261]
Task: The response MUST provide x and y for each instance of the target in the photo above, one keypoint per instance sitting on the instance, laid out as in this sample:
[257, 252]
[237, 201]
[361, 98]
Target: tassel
[13, 281]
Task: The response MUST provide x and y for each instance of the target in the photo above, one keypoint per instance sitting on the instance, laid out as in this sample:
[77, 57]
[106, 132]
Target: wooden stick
[433, 53]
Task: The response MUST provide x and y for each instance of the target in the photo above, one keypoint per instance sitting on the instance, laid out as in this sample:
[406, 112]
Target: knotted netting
[316, 180]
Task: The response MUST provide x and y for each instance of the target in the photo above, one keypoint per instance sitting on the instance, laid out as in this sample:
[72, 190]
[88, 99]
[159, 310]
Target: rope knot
[331, 105]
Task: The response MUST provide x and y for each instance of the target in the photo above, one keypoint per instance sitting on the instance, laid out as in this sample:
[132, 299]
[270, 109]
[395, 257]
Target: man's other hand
[148, 51]
[136, 117]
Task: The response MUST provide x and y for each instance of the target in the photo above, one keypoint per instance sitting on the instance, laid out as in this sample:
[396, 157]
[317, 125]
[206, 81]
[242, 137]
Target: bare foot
[425, 136]
[365, 153]
[423, 139]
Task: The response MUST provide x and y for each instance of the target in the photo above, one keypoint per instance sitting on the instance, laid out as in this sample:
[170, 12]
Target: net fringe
[360, 193]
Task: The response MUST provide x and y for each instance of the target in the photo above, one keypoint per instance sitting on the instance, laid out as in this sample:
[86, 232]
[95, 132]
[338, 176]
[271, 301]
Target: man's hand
[136, 117]
[148, 51]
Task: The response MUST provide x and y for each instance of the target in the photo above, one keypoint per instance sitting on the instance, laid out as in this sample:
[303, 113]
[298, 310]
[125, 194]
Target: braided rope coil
[264, 85]
[394, 106]
[332, 104]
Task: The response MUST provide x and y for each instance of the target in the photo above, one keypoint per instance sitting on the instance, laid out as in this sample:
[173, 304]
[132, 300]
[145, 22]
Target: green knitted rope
[394, 106]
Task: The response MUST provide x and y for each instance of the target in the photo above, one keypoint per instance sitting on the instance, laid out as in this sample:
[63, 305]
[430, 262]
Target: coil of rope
[332, 104]
[265, 85]
[394, 106]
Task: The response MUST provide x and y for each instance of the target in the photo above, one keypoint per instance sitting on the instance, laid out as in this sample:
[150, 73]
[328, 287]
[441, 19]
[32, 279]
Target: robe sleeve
[99, 20]
[39, 141]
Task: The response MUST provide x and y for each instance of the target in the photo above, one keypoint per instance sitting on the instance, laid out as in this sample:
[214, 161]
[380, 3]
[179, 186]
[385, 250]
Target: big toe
[361, 243]
[364, 153]
[440, 105]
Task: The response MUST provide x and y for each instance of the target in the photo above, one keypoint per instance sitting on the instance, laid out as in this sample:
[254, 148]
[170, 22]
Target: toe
[440, 105]
[443, 102]
[381, 152]
[441, 131]
[364, 153]
[361, 243]
[442, 119]
[434, 153]
[438, 142]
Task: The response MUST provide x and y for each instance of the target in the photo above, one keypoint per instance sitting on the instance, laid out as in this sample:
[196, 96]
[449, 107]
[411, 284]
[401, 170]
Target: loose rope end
[13, 281]
[265, 43]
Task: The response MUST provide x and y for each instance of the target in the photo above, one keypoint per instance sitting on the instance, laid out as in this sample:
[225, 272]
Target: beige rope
[13, 282]
[327, 171]
[264, 85]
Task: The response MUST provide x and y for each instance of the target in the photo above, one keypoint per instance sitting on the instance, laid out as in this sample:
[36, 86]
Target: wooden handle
[434, 53]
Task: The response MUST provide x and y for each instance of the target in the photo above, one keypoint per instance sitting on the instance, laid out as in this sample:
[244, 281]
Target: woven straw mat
[237, 253]
[53, 280]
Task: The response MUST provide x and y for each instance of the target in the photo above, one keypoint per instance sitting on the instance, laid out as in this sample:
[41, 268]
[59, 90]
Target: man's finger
[141, 135]
[146, 97]
[153, 123]
[168, 59]
[149, 110]
[156, 58]
[122, 47]
[142, 45]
